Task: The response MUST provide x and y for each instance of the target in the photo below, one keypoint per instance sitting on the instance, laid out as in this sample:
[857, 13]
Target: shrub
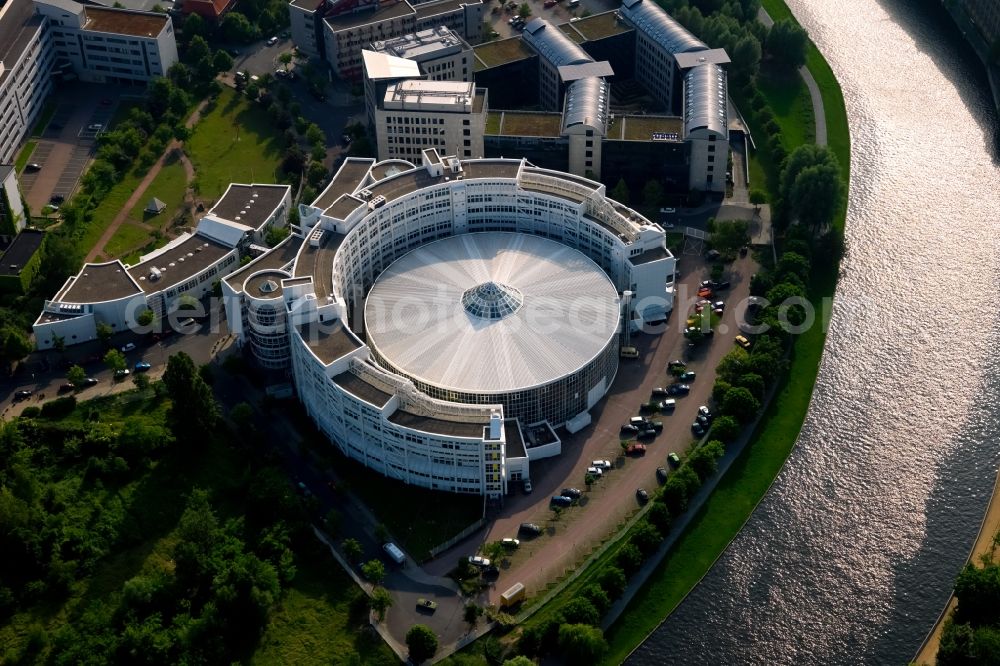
[675, 495]
[704, 460]
[659, 517]
[31, 412]
[725, 428]
[598, 597]
[581, 644]
[59, 408]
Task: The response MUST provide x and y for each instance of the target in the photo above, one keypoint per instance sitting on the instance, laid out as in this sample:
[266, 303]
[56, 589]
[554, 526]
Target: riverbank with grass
[750, 477]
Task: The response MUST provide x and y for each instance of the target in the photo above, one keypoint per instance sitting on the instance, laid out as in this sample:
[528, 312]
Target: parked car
[492, 571]
[510, 543]
[121, 373]
[636, 450]
[22, 395]
[674, 459]
[66, 388]
[697, 429]
[704, 411]
[661, 474]
[129, 347]
[657, 426]
[272, 41]
[659, 393]
[705, 292]
[479, 561]
[89, 381]
[679, 389]
[742, 342]
[95, 127]
[561, 500]
[702, 419]
[527, 487]
[648, 433]
[641, 495]
[629, 428]
[57, 199]
[712, 255]
[668, 405]
[426, 604]
[719, 286]
[573, 493]
[529, 529]
[595, 471]
[601, 464]
[688, 376]
[32, 166]
[676, 364]
[142, 366]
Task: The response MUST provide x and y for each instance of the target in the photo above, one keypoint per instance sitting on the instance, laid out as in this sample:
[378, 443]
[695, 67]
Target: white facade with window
[449, 116]
[25, 63]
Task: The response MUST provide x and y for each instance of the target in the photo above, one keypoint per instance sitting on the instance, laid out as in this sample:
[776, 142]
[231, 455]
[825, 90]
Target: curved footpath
[927, 654]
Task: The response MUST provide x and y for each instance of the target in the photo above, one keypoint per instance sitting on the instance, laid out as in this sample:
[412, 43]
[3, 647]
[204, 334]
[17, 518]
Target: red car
[636, 450]
[705, 292]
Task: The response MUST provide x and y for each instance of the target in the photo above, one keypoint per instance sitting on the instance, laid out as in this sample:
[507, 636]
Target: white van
[393, 551]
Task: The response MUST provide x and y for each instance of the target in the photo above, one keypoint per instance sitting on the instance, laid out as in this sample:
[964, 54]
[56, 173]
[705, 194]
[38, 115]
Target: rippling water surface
[853, 553]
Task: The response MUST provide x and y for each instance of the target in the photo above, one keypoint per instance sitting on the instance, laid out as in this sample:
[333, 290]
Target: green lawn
[314, 623]
[788, 97]
[169, 187]
[108, 209]
[220, 159]
[24, 155]
[129, 237]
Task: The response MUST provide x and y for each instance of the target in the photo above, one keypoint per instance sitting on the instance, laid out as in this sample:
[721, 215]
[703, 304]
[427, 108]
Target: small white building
[107, 45]
[416, 115]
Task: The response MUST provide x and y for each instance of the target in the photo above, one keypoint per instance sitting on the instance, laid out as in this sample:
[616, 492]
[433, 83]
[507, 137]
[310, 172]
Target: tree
[620, 192]
[194, 25]
[629, 558]
[728, 236]
[374, 571]
[787, 43]
[141, 380]
[758, 198]
[422, 642]
[197, 51]
[652, 193]
[524, 11]
[754, 383]
[675, 495]
[725, 428]
[811, 185]
[581, 611]
[285, 58]
[581, 644]
[146, 317]
[14, 344]
[519, 660]
[739, 402]
[115, 360]
[588, 480]
[236, 28]
[242, 415]
[612, 581]
[314, 135]
[472, 614]
[75, 376]
[646, 538]
[222, 61]
[704, 460]
[104, 332]
[352, 550]
[381, 602]
[193, 410]
[659, 517]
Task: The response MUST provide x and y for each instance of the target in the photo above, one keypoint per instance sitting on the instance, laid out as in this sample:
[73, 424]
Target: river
[853, 552]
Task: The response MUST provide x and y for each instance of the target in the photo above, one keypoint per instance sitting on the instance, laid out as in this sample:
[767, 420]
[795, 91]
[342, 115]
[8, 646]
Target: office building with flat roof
[440, 52]
[416, 114]
[26, 61]
[338, 30]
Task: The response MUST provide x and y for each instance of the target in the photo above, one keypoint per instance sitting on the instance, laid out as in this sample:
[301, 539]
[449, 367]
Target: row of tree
[972, 634]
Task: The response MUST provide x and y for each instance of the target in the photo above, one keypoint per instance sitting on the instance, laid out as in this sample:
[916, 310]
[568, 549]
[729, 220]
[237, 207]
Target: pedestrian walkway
[807, 77]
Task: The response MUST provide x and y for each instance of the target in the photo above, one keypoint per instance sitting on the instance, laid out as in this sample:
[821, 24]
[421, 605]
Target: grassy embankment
[752, 474]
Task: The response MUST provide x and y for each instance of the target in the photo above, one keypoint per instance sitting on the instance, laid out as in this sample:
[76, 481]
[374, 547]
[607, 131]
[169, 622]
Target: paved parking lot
[67, 144]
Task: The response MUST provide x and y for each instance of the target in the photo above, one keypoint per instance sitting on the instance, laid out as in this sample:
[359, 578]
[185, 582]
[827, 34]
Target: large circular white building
[442, 322]
[498, 318]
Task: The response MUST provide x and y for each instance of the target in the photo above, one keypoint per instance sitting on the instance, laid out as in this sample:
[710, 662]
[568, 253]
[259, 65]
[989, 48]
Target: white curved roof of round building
[491, 312]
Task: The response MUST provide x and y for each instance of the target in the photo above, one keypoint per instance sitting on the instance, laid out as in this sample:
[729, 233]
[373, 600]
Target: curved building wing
[705, 100]
[552, 44]
[587, 104]
[649, 17]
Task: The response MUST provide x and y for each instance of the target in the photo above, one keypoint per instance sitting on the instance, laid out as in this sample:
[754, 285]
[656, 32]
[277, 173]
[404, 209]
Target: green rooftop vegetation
[642, 128]
[598, 26]
[501, 52]
[571, 33]
[529, 124]
[493, 122]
